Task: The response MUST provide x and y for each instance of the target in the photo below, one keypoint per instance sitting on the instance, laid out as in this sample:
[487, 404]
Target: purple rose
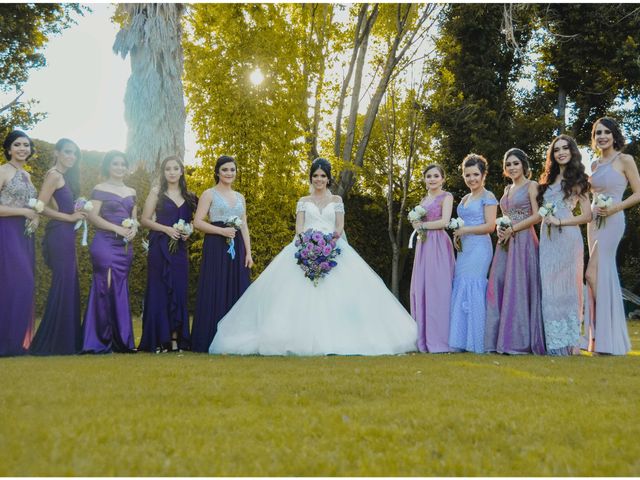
[325, 266]
[326, 250]
[317, 250]
[297, 243]
[303, 254]
[317, 236]
[321, 242]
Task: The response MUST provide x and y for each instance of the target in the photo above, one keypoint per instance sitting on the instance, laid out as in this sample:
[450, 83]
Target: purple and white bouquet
[82, 205]
[316, 254]
[546, 210]
[185, 229]
[602, 201]
[455, 224]
[129, 223]
[235, 222]
[503, 223]
[29, 226]
[414, 215]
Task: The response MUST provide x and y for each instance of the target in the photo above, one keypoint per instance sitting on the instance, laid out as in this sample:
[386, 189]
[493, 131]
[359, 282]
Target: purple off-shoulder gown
[165, 302]
[107, 324]
[514, 315]
[17, 266]
[60, 332]
[432, 281]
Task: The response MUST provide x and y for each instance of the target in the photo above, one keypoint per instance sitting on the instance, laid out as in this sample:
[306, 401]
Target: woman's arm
[489, 225]
[339, 217]
[97, 221]
[248, 259]
[630, 170]
[201, 224]
[52, 181]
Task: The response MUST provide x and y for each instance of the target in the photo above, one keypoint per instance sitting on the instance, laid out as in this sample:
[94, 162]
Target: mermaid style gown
[432, 281]
[468, 305]
[17, 267]
[514, 315]
[350, 312]
[607, 331]
[165, 302]
[60, 332]
[107, 324]
[561, 276]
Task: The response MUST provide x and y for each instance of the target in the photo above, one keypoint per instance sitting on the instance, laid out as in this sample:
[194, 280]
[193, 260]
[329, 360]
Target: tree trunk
[561, 108]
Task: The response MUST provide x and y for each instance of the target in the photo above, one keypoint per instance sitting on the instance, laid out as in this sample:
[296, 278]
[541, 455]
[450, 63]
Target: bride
[349, 312]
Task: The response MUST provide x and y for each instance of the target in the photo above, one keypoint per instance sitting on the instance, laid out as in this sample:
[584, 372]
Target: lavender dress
[561, 276]
[608, 329]
[107, 324]
[431, 282]
[17, 265]
[222, 280]
[514, 315]
[468, 305]
[165, 302]
[59, 332]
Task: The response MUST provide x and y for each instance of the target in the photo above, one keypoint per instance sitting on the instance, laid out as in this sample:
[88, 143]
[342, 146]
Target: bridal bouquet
[316, 254]
[416, 214]
[82, 205]
[235, 222]
[455, 224]
[503, 223]
[185, 229]
[29, 226]
[602, 201]
[129, 223]
[547, 210]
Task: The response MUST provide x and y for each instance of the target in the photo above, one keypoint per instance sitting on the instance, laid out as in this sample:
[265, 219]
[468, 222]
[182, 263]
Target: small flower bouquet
[185, 229]
[235, 222]
[129, 223]
[602, 201]
[455, 224]
[38, 206]
[503, 223]
[415, 215]
[547, 210]
[82, 205]
[316, 254]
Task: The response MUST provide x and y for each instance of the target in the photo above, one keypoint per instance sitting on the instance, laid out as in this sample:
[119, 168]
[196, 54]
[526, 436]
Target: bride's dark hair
[324, 165]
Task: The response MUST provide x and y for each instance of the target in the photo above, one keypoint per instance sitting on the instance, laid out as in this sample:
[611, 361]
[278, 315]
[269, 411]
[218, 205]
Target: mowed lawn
[194, 414]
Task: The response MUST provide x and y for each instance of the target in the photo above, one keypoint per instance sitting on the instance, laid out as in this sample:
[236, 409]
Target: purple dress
[107, 323]
[608, 330]
[514, 315]
[431, 282]
[60, 332]
[222, 279]
[17, 266]
[165, 301]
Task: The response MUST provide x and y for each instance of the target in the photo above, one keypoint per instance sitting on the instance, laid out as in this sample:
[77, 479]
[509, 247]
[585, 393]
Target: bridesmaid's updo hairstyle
[12, 137]
[431, 166]
[324, 165]
[108, 158]
[72, 175]
[475, 160]
[520, 155]
[220, 162]
[610, 124]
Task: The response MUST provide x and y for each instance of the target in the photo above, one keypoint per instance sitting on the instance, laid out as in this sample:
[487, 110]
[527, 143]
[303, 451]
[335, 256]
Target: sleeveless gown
[432, 281]
[222, 279]
[350, 312]
[514, 315]
[165, 301]
[468, 299]
[107, 324]
[60, 332]
[17, 267]
[608, 329]
[561, 276]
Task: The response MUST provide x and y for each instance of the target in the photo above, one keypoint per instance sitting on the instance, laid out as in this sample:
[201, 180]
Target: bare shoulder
[336, 198]
[627, 160]
[533, 186]
[304, 199]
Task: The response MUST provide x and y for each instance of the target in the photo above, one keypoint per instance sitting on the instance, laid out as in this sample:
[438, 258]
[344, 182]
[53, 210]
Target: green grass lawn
[194, 414]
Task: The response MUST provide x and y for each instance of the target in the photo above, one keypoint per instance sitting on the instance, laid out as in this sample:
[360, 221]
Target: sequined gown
[514, 315]
[17, 266]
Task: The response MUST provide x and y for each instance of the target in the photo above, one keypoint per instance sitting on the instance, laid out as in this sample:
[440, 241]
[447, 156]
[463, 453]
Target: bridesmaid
[107, 324]
[514, 316]
[60, 332]
[223, 278]
[433, 265]
[17, 258]
[478, 210]
[165, 318]
[607, 332]
[564, 184]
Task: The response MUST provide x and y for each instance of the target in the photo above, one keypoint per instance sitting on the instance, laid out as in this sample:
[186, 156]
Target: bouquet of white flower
[417, 214]
[235, 222]
[547, 210]
[455, 224]
[185, 229]
[129, 223]
[29, 226]
[602, 201]
[503, 223]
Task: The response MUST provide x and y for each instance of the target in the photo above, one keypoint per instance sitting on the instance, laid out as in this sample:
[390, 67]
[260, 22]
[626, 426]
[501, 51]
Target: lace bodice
[317, 219]
[221, 211]
[17, 191]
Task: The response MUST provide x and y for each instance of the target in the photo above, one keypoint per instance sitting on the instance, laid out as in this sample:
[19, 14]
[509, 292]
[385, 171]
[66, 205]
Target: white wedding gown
[350, 312]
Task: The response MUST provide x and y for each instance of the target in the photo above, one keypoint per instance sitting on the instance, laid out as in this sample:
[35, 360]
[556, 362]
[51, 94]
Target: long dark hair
[611, 124]
[9, 139]
[72, 175]
[520, 155]
[108, 158]
[188, 196]
[575, 180]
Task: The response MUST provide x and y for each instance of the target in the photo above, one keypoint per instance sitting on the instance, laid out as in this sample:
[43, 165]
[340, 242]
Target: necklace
[61, 173]
[14, 166]
[121, 184]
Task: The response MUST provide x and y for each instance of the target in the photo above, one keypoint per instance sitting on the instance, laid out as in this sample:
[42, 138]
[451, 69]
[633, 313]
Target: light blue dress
[468, 299]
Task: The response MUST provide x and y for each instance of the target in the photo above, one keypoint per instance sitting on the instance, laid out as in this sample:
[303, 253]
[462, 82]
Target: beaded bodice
[221, 211]
[518, 207]
[17, 191]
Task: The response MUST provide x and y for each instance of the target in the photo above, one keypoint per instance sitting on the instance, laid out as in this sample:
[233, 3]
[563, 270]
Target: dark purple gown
[17, 266]
[60, 332]
[107, 323]
[165, 301]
